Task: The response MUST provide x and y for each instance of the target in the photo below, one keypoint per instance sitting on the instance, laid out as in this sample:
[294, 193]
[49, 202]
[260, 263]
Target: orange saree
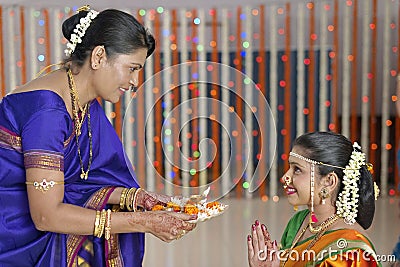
[343, 247]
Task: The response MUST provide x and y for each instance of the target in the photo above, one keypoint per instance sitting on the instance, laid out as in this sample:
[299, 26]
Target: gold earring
[324, 194]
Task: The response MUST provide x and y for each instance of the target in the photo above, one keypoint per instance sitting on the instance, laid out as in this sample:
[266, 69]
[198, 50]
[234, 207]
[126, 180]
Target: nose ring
[132, 87]
[287, 180]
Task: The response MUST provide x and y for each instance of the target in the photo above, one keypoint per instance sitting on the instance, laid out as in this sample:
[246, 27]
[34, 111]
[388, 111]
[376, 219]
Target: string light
[251, 40]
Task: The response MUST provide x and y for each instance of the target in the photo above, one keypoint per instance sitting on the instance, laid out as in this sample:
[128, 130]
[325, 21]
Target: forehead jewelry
[313, 218]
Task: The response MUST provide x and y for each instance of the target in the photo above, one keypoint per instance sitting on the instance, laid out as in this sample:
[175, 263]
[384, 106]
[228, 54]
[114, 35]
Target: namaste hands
[261, 250]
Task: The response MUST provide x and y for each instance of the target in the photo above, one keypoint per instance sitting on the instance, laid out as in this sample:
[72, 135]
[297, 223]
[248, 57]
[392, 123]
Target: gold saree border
[88, 247]
[351, 245]
[114, 257]
[74, 242]
[10, 140]
[66, 142]
[44, 160]
[354, 240]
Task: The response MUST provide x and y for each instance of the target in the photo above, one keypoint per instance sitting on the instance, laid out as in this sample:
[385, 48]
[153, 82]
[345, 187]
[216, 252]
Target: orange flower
[175, 207]
[213, 204]
[190, 209]
[158, 207]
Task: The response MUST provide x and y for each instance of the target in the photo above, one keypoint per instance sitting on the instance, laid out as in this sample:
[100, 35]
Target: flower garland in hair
[80, 30]
[347, 202]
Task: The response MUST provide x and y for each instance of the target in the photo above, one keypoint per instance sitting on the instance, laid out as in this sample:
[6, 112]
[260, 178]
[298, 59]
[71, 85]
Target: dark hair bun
[366, 201]
[69, 25]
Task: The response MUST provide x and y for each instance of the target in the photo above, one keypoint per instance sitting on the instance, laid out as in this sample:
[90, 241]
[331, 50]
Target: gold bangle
[97, 223]
[43, 186]
[102, 223]
[122, 198]
[107, 228]
[129, 198]
[135, 199]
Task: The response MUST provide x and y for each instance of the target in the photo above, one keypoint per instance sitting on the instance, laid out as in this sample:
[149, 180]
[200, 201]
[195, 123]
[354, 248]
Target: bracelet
[43, 186]
[97, 223]
[129, 198]
[102, 223]
[122, 198]
[135, 199]
[107, 228]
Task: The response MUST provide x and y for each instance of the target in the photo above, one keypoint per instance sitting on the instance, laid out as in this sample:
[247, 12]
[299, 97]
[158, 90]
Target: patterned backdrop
[228, 89]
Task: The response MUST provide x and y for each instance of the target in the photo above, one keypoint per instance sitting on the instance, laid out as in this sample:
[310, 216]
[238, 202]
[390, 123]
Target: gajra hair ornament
[80, 29]
[347, 202]
[376, 191]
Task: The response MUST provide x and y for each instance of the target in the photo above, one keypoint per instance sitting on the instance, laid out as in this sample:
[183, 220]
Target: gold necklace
[319, 233]
[332, 219]
[78, 123]
[324, 224]
[78, 120]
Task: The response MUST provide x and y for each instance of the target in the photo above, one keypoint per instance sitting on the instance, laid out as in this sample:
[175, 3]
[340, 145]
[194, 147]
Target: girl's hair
[335, 149]
[117, 31]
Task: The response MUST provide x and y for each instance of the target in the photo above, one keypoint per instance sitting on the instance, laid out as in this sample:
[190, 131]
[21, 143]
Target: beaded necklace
[78, 121]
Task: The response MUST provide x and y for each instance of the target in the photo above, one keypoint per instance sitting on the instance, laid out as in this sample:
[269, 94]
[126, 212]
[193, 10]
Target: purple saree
[36, 131]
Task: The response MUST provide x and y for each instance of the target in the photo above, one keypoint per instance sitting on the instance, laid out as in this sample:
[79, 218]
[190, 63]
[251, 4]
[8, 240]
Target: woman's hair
[117, 31]
[335, 149]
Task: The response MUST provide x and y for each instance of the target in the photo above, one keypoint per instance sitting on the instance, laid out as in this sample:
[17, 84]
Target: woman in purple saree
[62, 166]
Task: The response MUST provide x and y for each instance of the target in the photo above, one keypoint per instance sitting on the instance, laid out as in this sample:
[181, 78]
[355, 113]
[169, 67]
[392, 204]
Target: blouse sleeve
[43, 138]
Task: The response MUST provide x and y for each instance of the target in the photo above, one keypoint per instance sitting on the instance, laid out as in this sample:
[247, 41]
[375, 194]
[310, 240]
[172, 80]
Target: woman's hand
[167, 226]
[261, 250]
[147, 200]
